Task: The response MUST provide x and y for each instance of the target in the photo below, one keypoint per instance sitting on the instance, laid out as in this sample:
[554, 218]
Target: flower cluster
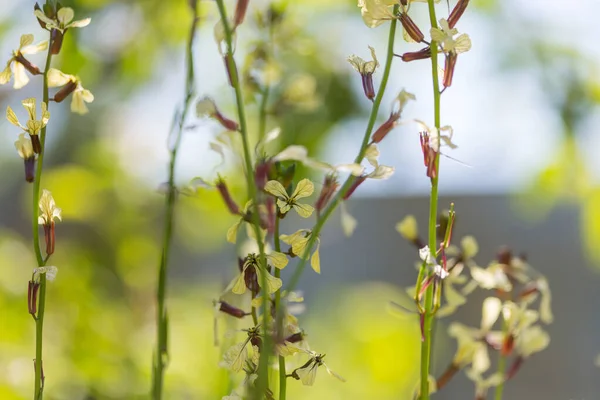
[521, 305]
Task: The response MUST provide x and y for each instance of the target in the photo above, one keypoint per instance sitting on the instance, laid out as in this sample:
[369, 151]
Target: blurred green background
[524, 109]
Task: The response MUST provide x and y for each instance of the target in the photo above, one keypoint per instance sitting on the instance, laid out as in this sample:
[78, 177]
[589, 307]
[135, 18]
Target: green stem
[501, 365]
[433, 206]
[316, 230]
[279, 317]
[262, 115]
[39, 323]
[161, 352]
[262, 383]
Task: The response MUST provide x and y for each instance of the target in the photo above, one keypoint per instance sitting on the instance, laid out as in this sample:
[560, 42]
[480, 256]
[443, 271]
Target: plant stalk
[322, 219]
[262, 380]
[39, 323]
[433, 207]
[162, 321]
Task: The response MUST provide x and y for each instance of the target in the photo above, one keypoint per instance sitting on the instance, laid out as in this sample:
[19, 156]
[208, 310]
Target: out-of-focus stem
[39, 323]
[361, 154]
[160, 357]
[433, 207]
[262, 380]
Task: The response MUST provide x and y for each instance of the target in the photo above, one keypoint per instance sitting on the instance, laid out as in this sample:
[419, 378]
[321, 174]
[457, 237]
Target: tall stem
[39, 322]
[501, 366]
[433, 206]
[279, 317]
[262, 382]
[162, 321]
[322, 219]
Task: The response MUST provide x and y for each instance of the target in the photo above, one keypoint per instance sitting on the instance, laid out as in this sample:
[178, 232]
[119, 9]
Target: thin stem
[262, 114]
[361, 154]
[501, 366]
[279, 317]
[433, 206]
[162, 321]
[39, 323]
[262, 381]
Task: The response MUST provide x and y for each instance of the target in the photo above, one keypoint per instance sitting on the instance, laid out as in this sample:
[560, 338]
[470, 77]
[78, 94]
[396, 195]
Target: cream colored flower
[376, 12]
[24, 147]
[408, 228]
[379, 171]
[64, 16]
[33, 126]
[445, 36]
[48, 210]
[348, 221]
[308, 372]
[17, 64]
[472, 348]
[300, 154]
[436, 136]
[235, 357]
[304, 188]
[532, 340]
[299, 242]
[278, 260]
[80, 94]
[364, 67]
[492, 277]
[482, 385]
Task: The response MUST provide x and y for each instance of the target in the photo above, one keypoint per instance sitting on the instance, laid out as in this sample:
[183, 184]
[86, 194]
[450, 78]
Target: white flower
[49, 211]
[80, 94]
[308, 372]
[17, 64]
[24, 147]
[300, 153]
[364, 67]
[64, 16]
[435, 136]
[285, 202]
[376, 12]
[445, 36]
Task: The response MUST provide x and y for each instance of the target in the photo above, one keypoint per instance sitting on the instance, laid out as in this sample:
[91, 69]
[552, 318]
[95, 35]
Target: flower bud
[422, 54]
[295, 338]
[231, 310]
[57, 40]
[367, 83]
[261, 173]
[32, 292]
[429, 156]
[29, 169]
[36, 144]
[33, 69]
[240, 12]
[65, 91]
[251, 280]
[50, 236]
[449, 68]
[42, 23]
[457, 12]
[384, 129]
[357, 181]
[411, 28]
[231, 204]
[330, 185]
[504, 256]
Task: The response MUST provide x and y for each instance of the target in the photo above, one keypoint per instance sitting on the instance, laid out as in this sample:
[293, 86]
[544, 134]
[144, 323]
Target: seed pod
[411, 28]
[422, 54]
[449, 68]
[457, 12]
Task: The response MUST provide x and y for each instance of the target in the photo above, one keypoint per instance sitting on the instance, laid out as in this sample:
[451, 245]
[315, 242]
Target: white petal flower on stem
[532, 340]
[364, 67]
[376, 12]
[17, 64]
[63, 21]
[24, 147]
[48, 209]
[299, 240]
[80, 95]
[304, 188]
[445, 36]
[436, 136]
